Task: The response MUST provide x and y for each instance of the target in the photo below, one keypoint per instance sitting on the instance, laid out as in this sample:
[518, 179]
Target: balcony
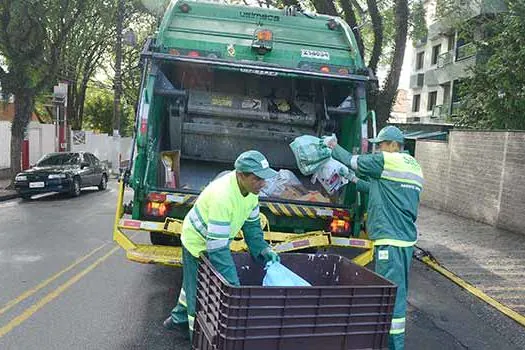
[445, 59]
[456, 107]
[417, 80]
[439, 112]
[465, 51]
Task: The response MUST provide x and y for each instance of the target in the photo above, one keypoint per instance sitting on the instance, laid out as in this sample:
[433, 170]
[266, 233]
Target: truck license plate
[37, 184]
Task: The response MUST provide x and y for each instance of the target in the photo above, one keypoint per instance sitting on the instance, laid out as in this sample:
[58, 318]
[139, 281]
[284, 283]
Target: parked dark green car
[65, 172]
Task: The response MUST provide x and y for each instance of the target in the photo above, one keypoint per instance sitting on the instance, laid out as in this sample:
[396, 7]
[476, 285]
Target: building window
[432, 99]
[415, 103]
[420, 60]
[435, 53]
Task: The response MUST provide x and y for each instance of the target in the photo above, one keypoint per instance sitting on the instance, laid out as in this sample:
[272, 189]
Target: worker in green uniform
[227, 205]
[395, 181]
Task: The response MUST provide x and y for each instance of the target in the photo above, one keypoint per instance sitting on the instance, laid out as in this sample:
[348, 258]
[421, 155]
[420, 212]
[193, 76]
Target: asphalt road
[64, 285]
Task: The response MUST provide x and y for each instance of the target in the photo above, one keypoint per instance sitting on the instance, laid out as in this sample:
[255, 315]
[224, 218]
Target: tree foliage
[32, 38]
[98, 113]
[86, 46]
[418, 23]
[494, 96]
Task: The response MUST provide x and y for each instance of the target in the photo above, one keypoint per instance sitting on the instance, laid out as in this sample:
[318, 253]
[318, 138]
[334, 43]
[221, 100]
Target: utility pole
[118, 87]
[118, 69]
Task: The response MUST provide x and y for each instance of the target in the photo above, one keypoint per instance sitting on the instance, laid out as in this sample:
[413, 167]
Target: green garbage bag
[310, 153]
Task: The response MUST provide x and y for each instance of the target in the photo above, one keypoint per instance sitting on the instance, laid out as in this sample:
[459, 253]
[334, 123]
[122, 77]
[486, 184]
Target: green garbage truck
[218, 80]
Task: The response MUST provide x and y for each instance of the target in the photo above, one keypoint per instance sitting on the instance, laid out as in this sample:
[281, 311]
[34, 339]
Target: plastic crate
[202, 339]
[347, 307]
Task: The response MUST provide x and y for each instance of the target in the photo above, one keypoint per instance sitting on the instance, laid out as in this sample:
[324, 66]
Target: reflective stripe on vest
[215, 244]
[401, 167]
[254, 215]
[182, 298]
[398, 326]
[197, 222]
[394, 243]
[191, 322]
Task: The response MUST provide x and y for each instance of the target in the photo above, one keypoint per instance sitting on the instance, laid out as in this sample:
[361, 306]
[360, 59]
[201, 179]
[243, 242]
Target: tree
[87, 44]
[98, 112]
[32, 36]
[386, 39]
[494, 95]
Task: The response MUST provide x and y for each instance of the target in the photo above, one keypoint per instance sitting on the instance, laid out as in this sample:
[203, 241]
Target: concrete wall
[477, 175]
[42, 141]
[512, 204]
[5, 144]
[105, 147]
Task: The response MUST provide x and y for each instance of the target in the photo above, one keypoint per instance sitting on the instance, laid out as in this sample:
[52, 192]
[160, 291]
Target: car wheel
[75, 188]
[103, 183]
[162, 239]
[25, 197]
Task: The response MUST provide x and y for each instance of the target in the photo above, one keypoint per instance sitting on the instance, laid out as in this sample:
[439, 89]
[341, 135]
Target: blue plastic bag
[278, 275]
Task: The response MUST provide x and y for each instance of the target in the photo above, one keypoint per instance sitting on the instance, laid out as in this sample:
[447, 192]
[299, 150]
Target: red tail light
[194, 53]
[339, 226]
[156, 209]
[325, 69]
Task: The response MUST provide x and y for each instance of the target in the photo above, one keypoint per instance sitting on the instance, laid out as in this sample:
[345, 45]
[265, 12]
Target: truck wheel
[162, 239]
[25, 197]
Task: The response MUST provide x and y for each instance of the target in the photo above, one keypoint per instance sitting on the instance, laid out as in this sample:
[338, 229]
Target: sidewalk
[6, 194]
[491, 259]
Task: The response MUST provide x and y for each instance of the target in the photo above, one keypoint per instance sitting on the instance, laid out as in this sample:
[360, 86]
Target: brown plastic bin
[347, 306]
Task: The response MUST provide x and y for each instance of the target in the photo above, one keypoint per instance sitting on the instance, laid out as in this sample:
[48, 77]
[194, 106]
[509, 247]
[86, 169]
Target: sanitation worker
[227, 205]
[394, 186]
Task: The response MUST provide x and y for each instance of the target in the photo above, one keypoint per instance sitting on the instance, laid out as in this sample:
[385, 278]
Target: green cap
[389, 133]
[254, 162]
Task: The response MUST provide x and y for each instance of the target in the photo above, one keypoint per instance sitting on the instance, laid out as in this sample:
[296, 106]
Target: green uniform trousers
[393, 263]
[184, 312]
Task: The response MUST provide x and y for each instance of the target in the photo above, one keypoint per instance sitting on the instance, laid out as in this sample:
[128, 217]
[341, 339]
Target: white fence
[42, 141]
[105, 147]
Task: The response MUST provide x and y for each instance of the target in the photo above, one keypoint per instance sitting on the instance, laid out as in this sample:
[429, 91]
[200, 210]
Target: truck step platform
[156, 254]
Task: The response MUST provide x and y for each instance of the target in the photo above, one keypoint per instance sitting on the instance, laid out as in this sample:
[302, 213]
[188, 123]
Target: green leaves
[494, 96]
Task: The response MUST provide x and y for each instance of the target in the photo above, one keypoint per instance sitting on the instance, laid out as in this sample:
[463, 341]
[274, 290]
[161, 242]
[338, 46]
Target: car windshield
[60, 159]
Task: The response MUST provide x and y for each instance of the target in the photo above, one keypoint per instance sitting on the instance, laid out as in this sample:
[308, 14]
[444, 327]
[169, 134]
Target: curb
[430, 261]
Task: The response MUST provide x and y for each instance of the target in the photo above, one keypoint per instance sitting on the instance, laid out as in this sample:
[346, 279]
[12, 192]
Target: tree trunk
[351, 19]
[325, 7]
[81, 98]
[387, 96]
[377, 25]
[24, 103]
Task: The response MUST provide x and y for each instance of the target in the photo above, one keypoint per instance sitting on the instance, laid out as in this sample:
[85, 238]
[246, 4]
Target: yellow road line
[475, 291]
[54, 294]
[32, 291]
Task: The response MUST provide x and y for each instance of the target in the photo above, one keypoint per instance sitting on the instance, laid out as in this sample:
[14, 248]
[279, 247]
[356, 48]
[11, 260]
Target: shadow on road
[54, 197]
[164, 290]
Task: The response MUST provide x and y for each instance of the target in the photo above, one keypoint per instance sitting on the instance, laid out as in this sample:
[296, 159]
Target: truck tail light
[157, 197]
[156, 209]
[339, 226]
[264, 35]
[325, 69]
[194, 53]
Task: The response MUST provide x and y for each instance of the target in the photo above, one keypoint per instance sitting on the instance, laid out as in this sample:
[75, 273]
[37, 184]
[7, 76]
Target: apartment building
[441, 60]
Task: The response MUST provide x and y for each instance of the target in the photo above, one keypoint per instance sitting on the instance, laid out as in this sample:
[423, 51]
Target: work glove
[348, 174]
[271, 257]
[330, 141]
